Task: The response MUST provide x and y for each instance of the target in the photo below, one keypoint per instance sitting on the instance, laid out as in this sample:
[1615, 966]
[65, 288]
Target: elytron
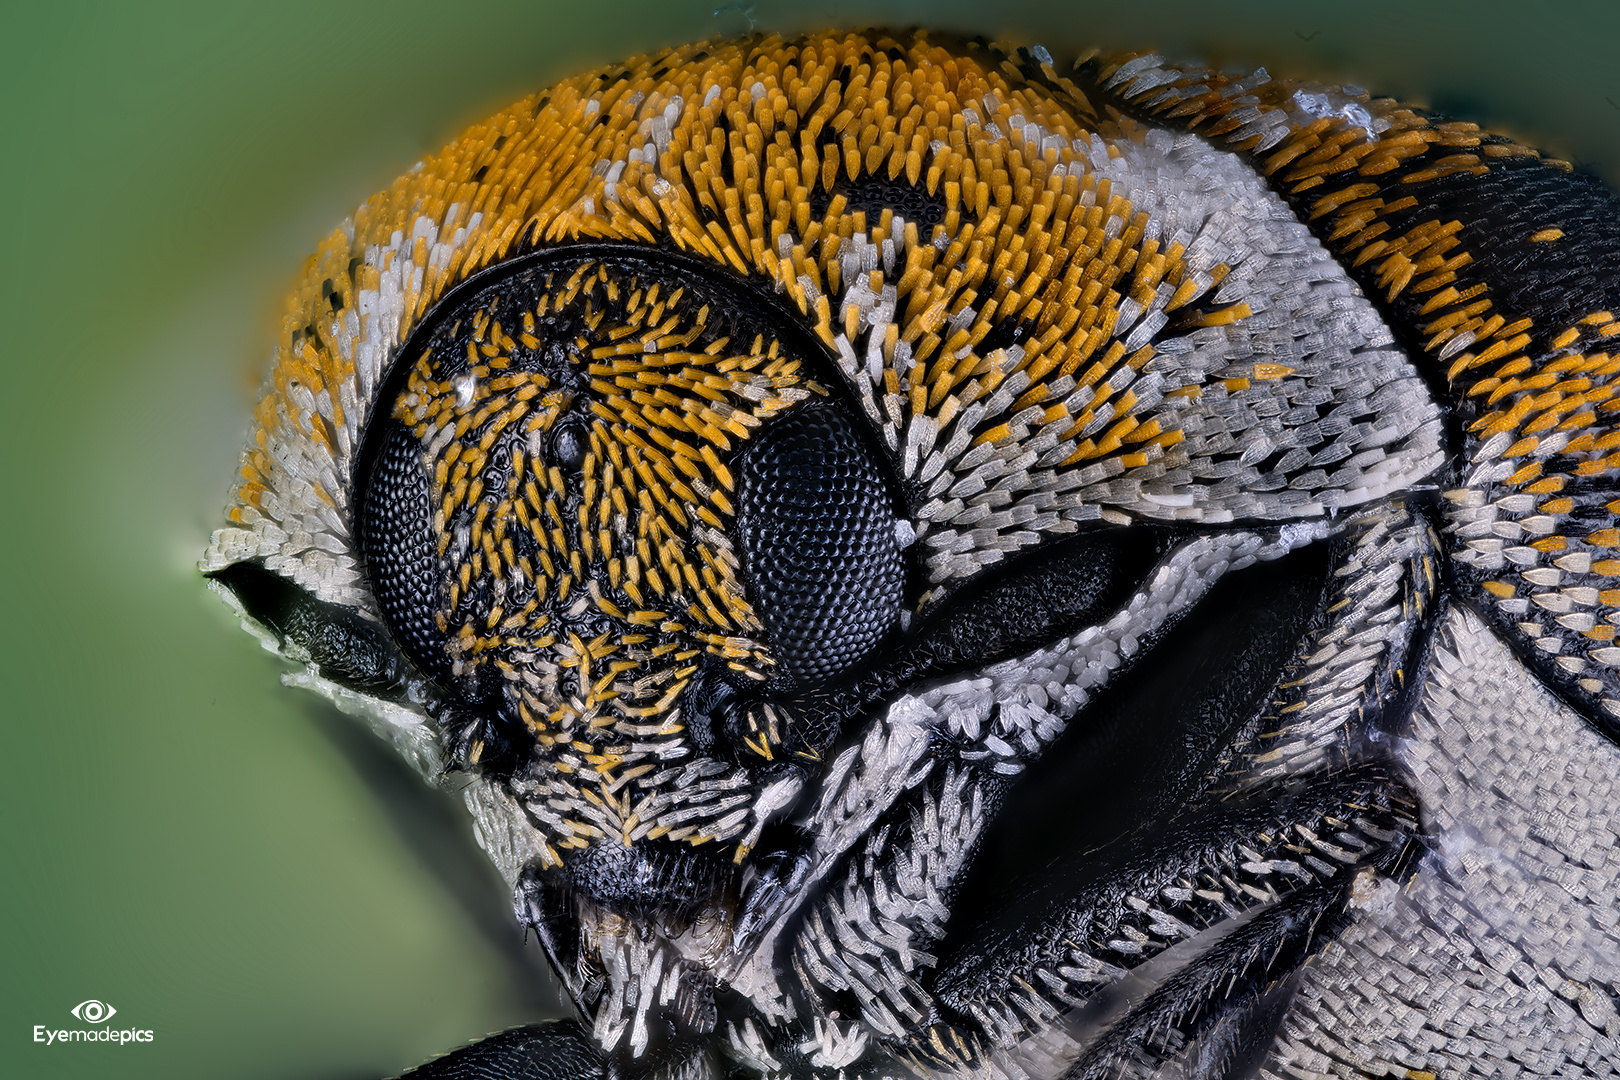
[928, 559]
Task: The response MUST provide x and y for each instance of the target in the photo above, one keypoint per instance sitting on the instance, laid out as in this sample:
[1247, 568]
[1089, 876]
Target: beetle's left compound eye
[818, 537]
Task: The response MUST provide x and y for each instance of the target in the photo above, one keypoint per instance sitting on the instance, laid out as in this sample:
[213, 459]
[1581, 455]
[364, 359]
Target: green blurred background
[212, 854]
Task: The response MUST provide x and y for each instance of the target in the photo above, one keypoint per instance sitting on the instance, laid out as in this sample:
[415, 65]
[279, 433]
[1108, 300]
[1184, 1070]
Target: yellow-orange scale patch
[769, 158]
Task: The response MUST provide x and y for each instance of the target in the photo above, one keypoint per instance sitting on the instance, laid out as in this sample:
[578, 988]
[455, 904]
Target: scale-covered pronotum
[928, 560]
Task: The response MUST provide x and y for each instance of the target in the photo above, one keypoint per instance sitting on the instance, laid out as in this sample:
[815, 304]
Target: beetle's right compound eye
[396, 535]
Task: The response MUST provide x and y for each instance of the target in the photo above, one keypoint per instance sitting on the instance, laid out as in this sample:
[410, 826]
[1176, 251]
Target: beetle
[928, 560]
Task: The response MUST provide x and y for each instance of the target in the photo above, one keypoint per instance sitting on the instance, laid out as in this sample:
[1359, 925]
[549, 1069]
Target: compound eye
[396, 536]
[818, 539]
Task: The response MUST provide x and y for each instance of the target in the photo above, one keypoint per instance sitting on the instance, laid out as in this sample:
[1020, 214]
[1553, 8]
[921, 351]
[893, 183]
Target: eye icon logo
[93, 1011]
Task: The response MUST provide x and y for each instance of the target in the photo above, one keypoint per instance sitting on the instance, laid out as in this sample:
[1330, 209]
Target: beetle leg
[867, 943]
[1154, 913]
[560, 1050]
